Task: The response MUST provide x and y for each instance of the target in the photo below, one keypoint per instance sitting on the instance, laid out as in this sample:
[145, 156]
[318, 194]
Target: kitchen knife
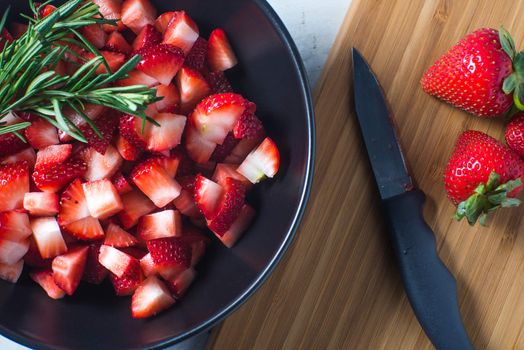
[430, 287]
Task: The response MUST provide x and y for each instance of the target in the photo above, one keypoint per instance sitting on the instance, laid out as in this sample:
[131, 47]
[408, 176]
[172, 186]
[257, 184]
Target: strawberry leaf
[507, 43]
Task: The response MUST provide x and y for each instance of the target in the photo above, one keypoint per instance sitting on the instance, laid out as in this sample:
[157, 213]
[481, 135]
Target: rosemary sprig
[31, 84]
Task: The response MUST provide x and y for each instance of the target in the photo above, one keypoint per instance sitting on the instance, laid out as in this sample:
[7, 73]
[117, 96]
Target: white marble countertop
[313, 25]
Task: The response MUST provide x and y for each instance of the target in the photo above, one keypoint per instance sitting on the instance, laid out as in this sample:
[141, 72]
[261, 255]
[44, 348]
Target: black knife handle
[430, 287]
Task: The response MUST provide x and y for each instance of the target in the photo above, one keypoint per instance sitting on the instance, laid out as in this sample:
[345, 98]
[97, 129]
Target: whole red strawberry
[515, 134]
[482, 175]
[476, 74]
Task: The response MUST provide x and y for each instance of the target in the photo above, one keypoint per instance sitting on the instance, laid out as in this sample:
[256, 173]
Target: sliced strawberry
[198, 243]
[197, 56]
[185, 203]
[223, 171]
[192, 87]
[86, 229]
[136, 205]
[148, 36]
[94, 272]
[14, 226]
[11, 273]
[10, 144]
[131, 129]
[126, 149]
[198, 148]
[161, 62]
[229, 208]
[32, 257]
[167, 223]
[179, 285]
[41, 203]
[136, 14]
[102, 198]
[28, 155]
[101, 166]
[73, 204]
[148, 265]
[239, 226]
[110, 9]
[150, 298]
[106, 125]
[118, 238]
[129, 282]
[117, 43]
[170, 98]
[46, 10]
[55, 177]
[45, 279]
[114, 60]
[116, 261]
[136, 77]
[244, 147]
[218, 82]
[52, 155]
[262, 162]
[11, 252]
[224, 150]
[162, 22]
[90, 110]
[155, 182]
[48, 237]
[248, 126]
[166, 136]
[181, 32]
[170, 252]
[69, 268]
[121, 184]
[41, 134]
[208, 195]
[14, 183]
[169, 163]
[95, 35]
[220, 55]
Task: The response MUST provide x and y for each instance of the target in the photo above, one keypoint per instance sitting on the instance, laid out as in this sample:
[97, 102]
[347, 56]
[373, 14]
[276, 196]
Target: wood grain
[338, 286]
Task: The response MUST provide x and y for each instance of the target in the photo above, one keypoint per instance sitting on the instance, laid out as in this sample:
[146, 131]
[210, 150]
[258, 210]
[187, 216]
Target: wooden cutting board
[338, 286]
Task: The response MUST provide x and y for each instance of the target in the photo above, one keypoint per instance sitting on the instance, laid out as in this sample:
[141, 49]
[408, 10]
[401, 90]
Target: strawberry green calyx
[514, 83]
[487, 198]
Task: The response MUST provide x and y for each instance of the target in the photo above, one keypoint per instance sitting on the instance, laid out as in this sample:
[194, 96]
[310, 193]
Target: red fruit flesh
[137, 77]
[14, 226]
[218, 82]
[131, 129]
[230, 206]
[32, 257]
[150, 298]
[126, 149]
[208, 195]
[54, 178]
[68, 269]
[48, 237]
[224, 171]
[262, 162]
[162, 22]
[86, 229]
[224, 150]
[94, 272]
[106, 125]
[101, 166]
[117, 43]
[220, 55]
[148, 36]
[118, 238]
[128, 282]
[179, 285]
[170, 252]
[11, 252]
[45, 279]
[110, 9]
[41, 134]
[10, 144]
[102, 198]
[192, 87]
[198, 148]
[136, 205]
[52, 155]
[170, 98]
[14, 184]
[515, 134]
[121, 184]
[41, 203]
[95, 35]
[239, 227]
[196, 58]
[248, 126]
[116, 261]
[167, 223]
[11, 273]
[161, 62]
[181, 32]
[27, 155]
[73, 204]
[155, 182]
[167, 135]
[136, 14]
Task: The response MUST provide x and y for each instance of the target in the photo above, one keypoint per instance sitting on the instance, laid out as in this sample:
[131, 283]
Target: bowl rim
[290, 45]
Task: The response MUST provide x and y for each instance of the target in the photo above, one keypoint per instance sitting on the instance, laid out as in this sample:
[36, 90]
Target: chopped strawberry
[136, 77]
[208, 195]
[128, 282]
[41, 203]
[86, 229]
[55, 177]
[11, 273]
[131, 129]
[136, 205]
[148, 265]
[162, 22]
[192, 87]
[102, 198]
[14, 183]
[218, 82]
[170, 252]
[198, 243]
[239, 226]
[224, 150]
[148, 36]
[167, 223]
[136, 14]
[110, 9]
[220, 54]
[95, 35]
[198, 148]
[118, 238]
[161, 62]
[45, 279]
[181, 32]
[229, 208]
[262, 162]
[166, 136]
[121, 184]
[101, 166]
[28, 155]
[116, 261]
[223, 171]
[11, 252]
[90, 110]
[197, 56]
[73, 204]
[185, 203]
[69, 268]
[169, 163]
[41, 134]
[34, 259]
[94, 272]
[10, 144]
[150, 298]
[114, 60]
[244, 147]
[106, 125]
[247, 126]
[155, 182]
[126, 149]
[46, 10]
[48, 237]
[170, 98]
[179, 285]
[14, 226]
[117, 43]
[52, 155]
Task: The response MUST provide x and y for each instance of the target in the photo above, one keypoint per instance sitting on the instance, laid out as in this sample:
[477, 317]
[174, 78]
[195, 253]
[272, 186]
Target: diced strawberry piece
[179, 285]
[41, 203]
[90, 110]
[148, 36]
[28, 155]
[45, 279]
[229, 208]
[129, 282]
[126, 149]
[169, 163]
[46, 10]
[136, 77]
[197, 56]
[170, 252]
[102, 198]
[198, 243]
[244, 147]
[117, 43]
[94, 272]
[262, 162]
[155, 182]
[248, 126]
[167, 223]
[52, 155]
[55, 177]
[86, 229]
[223, 171]
[198, 148]
[185, 203]
[166, 136]
[114, 60]
[32, 257]
[121, 184]
[14, 183]
[11, 252]
[14, 225]
[208, 195]
[220, 54]
[95, 35]
[170, 98]
[224, 150]
[161, 62]
[110, 9]
[48, 237]
[106, 125]
[73, 204]
[10, 144]
[239, 226]
[69, 268]
[150, 298]
[148, 266]
[181, 32]
[218, 82]
[41, 134]
[192, 87]
[162, 22]
[116, 261]
[131, 129]
[118, 238]
[101, 166]
[136, 205]
[136, 14]
[17, 29]
[11, 273]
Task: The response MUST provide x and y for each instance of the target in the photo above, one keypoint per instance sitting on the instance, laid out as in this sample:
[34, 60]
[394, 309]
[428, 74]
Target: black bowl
[271, 74]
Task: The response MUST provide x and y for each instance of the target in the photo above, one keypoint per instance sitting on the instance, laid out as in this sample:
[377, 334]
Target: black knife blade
[430, 287]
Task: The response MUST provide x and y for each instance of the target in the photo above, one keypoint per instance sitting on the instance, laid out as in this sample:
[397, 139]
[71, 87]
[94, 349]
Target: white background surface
[313, 25]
